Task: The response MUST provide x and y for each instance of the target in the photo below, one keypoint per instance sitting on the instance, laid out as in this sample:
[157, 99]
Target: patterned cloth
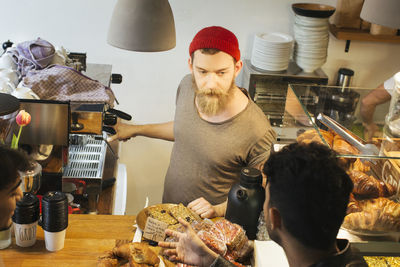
[62, 83]
[32, 55]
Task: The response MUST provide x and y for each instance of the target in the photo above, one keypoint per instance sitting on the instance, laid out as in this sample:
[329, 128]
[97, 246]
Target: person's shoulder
[256, 114]
[186, 80]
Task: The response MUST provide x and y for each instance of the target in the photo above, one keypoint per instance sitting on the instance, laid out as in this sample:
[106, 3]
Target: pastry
[358, 165]
[367, 186]
[313, 136]
[137, 253]
[161, 213]
[342, 147]
[353, 205]
[379, 214]
[107, 262]
[180, 211]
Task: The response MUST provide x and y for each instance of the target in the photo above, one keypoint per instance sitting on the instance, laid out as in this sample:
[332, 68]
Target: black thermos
[246, 200]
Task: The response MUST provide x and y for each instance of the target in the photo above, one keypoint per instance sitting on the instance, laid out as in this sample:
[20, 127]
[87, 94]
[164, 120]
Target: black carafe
[246, 200]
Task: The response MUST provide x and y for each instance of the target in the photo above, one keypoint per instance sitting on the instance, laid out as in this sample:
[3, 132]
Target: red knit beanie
[218, 38]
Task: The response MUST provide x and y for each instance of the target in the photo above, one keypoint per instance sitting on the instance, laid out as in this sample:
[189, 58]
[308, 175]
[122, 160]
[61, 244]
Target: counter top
[87, 237]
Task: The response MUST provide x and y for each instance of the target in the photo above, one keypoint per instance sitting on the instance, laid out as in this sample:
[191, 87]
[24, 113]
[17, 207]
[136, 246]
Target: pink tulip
[23, 118]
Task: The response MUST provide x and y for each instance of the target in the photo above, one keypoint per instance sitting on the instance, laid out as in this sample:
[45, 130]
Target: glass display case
[331, 115]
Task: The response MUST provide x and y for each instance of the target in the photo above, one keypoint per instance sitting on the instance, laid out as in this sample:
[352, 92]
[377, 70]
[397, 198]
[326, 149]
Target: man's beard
[212, 101]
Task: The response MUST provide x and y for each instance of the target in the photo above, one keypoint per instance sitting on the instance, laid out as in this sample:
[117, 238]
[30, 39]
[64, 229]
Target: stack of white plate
[312, 37]
[271, 51]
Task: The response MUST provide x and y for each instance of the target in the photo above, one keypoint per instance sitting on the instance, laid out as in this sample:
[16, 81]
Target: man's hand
[124, 132]
[189, 249]
[204, 208]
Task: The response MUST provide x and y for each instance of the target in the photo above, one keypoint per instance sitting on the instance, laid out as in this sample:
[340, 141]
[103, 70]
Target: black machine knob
[120, 114]
[109, 130]
[110, 119]
[116, 78]
[7, 44]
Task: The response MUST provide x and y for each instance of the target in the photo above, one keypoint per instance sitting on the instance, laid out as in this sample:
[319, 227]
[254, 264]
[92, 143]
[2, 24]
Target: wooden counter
[87, 237]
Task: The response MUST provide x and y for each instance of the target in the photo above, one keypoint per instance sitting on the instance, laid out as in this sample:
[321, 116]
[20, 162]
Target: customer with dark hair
[306, 199]
[11, 161]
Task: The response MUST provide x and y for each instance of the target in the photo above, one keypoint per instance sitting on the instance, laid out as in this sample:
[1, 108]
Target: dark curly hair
[311, 191]
[11, 161]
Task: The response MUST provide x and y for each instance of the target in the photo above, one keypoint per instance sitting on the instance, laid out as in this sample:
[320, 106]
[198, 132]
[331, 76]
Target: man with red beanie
[217, 129]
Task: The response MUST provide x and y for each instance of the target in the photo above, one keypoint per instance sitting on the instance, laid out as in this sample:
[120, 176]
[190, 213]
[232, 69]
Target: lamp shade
[142, 25]
[382, 12]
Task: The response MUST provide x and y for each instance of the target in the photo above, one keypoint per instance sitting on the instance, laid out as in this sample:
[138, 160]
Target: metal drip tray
[86, 161]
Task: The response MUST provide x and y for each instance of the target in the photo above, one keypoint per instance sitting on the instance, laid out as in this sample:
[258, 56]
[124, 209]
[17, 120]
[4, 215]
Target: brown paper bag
[347, 14]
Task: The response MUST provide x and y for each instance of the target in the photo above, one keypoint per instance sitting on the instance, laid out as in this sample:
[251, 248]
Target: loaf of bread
[234, 235]
[366, 186]
[378, 214]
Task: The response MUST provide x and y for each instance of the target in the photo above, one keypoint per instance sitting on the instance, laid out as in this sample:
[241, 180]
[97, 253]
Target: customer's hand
[189, 249]
[204, 208]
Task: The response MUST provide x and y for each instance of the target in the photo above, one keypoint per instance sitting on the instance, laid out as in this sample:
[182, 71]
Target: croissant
[385, 205]
[358, 165]
[380, 214]
[307, 135]
[368, 187]
[107, 260]
[353, 205]
[342, 147]
[137, 253]
[312, 136]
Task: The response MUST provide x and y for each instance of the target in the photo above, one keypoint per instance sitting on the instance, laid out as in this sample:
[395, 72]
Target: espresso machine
[68, 139]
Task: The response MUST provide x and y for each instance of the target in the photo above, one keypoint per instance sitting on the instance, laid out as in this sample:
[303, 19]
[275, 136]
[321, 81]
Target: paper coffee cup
[5, 238]
[25, 234]
[54, 240]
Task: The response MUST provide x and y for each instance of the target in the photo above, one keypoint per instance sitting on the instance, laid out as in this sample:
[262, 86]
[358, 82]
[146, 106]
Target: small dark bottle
[246, 200]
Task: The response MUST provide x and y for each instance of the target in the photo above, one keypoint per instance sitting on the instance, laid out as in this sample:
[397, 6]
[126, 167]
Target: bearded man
[217, 129]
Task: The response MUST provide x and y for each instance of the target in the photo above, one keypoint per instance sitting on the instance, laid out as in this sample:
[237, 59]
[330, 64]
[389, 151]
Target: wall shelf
[361, 35]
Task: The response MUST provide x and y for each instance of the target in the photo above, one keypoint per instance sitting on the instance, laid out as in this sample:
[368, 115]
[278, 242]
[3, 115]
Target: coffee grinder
[342, 101]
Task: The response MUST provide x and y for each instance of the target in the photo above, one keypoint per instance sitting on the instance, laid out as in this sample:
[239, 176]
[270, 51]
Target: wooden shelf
[361, 35]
